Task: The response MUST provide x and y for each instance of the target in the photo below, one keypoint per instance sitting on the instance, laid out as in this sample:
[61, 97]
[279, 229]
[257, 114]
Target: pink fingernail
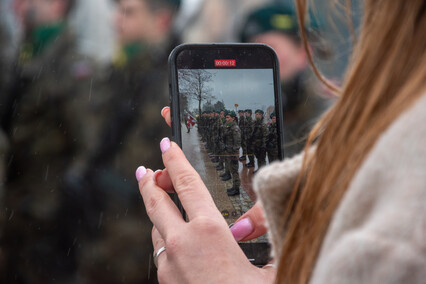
[242, 229]
[165, 145]
[140, 173]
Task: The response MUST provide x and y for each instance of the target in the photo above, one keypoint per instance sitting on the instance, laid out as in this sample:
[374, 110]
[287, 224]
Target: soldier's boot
[242, 158]
[251, 162]
[227, 177]
[235, 190]
[225, 174]
[220, 167]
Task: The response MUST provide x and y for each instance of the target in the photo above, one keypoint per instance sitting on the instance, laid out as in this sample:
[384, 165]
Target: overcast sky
[249, 88]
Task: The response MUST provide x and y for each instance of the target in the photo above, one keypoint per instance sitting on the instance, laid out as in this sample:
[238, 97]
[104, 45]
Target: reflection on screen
[228, 129]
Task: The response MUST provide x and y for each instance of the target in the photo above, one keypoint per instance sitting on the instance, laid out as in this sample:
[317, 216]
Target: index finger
[192, 192]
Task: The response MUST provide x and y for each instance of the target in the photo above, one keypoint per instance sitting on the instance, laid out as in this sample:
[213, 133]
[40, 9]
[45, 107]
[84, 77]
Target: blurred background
[82, 83]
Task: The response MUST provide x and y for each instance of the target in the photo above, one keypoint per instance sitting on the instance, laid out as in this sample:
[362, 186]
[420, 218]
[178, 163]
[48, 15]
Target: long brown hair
[386, 76]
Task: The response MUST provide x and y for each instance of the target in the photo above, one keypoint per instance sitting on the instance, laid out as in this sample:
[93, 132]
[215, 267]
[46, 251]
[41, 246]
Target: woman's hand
[202, 250]
[253, 222]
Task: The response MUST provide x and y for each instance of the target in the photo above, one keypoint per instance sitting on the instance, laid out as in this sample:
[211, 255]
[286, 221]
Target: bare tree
[193, 83]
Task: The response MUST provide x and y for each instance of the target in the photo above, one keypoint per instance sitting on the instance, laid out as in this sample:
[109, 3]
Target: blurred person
[349, 209]
[46, 117]
[137, 86]
[276, 25]
[214, 20]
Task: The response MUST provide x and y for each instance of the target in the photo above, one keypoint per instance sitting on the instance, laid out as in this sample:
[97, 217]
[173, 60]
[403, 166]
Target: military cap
[175, 3]
[273, 114]
[248, 110]
[232, 114]
[273, 17]
[240, 111]
[259, 111]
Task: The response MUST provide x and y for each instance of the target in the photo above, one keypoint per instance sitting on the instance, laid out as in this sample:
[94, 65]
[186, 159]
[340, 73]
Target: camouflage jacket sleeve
[236, 132]
[264, 135]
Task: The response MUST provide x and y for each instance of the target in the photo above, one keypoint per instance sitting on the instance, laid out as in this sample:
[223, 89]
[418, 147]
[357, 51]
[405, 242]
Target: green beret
[232, 114]
[226, 112]
[175, 3]
[240, 111]
[273, 17]
[249, 110]
[259, 111]
[273, 114]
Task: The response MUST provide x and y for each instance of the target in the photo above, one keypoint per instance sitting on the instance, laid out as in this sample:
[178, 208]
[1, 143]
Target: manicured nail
[156, 174]
[140, 173]
[165, 145]
[242, 229]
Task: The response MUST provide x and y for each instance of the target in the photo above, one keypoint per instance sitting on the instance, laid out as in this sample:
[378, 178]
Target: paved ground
[232, 207]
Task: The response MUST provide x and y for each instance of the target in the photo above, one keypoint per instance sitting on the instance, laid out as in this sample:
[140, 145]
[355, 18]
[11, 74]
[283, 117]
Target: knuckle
[174, 245]
[207, 225]
[152, 203]
[185, 182]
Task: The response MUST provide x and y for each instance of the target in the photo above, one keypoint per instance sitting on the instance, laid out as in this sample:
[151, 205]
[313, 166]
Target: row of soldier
[225, 134]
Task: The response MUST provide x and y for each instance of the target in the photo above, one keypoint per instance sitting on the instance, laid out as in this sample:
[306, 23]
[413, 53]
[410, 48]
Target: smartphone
[226, 111]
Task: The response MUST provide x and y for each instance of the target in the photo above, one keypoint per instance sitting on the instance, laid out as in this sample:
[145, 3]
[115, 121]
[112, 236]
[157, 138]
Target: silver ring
[157, 254]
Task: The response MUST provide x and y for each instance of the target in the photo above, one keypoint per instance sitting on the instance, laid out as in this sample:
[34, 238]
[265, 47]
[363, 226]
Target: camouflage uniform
[242, 126]
[232, 141]
[45, 119]
[131, 136]
[272, 142]
[215, 134]
[259, 141]
[221, 144]
[248, 134]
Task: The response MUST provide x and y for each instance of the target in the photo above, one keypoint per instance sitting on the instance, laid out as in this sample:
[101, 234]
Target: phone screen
[228, 121]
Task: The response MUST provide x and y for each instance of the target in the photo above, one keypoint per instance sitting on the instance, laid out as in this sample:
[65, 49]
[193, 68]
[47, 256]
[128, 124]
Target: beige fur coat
[378, 233]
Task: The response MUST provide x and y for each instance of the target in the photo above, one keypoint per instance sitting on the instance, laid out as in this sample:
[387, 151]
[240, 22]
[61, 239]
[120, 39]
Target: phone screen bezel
[247, 56]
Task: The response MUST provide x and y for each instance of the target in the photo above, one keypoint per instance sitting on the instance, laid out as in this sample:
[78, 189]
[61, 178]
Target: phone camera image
[228, 126]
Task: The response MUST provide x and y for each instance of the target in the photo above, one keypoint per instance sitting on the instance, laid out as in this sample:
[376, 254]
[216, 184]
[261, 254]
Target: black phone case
[257, 253]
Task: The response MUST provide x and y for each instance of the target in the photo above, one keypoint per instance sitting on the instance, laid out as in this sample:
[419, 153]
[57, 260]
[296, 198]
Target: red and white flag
[190, 121]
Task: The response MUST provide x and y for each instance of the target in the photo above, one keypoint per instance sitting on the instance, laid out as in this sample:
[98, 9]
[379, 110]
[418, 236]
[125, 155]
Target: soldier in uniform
[259, 138]
[242, 126]
[276, 25]
[248, 133]
[221, 143]
[215, 133]
[232, 141]
[272, 140]
[46, 115]
[131, 133]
